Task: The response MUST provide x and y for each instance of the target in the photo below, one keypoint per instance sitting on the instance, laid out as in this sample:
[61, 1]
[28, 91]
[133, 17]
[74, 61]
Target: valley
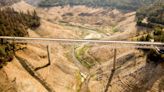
[81, 67]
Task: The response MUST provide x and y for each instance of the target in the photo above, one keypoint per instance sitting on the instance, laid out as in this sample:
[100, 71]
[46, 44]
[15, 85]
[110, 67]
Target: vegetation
[5, 54]
[13, 23]
[79, 81]
[151, 16]
[154, 56]
[81, 56]
[158, 36]
[122, 4]
[7, 2]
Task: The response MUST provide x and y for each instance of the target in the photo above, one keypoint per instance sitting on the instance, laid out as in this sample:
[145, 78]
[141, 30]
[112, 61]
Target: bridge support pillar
[112, 71]
[114, 61]
[49, 59]
[49, 54]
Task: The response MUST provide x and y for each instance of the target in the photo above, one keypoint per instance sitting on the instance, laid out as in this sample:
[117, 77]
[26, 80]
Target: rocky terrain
[68, 71]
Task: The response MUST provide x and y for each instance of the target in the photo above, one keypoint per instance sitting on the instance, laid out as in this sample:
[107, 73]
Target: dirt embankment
[5, 84]
[63, 75]
[132, 74]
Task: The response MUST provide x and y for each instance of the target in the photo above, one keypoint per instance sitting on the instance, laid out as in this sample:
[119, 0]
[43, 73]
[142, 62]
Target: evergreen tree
[13, 23]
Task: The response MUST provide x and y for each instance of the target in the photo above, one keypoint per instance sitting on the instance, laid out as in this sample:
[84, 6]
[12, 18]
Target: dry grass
[62, 74]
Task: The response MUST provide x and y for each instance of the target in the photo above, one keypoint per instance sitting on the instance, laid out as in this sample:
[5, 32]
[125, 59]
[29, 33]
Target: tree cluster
[13, 23]
[158, 36]
[155, 20]
[7, 2]
[154, 15]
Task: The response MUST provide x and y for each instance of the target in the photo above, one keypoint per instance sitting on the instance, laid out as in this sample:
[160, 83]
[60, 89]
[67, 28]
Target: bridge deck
[112, 44]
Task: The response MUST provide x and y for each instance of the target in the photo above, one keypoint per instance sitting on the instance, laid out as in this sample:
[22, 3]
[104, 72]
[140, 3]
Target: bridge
[158, 46]
[112, 44]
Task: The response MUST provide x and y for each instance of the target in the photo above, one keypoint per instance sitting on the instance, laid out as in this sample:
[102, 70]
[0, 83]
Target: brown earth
[5, 84]
[133, 74]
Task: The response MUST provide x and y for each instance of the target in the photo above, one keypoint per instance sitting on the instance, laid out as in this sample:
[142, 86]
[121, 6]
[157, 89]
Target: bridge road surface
[112, 44]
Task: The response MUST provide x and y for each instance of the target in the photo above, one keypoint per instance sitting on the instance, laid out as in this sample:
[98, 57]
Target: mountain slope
[122, 4]
[63, 75]
[7, 2]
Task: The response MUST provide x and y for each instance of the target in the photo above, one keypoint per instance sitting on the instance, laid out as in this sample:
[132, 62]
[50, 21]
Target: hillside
[7, 2]
[122, 4]
[153, 14]
[152, 18]
[81, 67]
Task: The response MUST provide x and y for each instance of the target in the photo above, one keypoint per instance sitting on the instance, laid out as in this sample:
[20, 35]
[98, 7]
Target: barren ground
[64, 74]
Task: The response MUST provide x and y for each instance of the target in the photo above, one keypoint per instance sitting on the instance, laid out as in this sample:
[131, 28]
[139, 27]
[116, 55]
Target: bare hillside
[5, 84]
[81, 67]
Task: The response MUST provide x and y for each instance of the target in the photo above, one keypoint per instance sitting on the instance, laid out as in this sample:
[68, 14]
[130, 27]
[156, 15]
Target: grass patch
[85, 29]
[84, 60]
[114, 30]
[79, 82]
